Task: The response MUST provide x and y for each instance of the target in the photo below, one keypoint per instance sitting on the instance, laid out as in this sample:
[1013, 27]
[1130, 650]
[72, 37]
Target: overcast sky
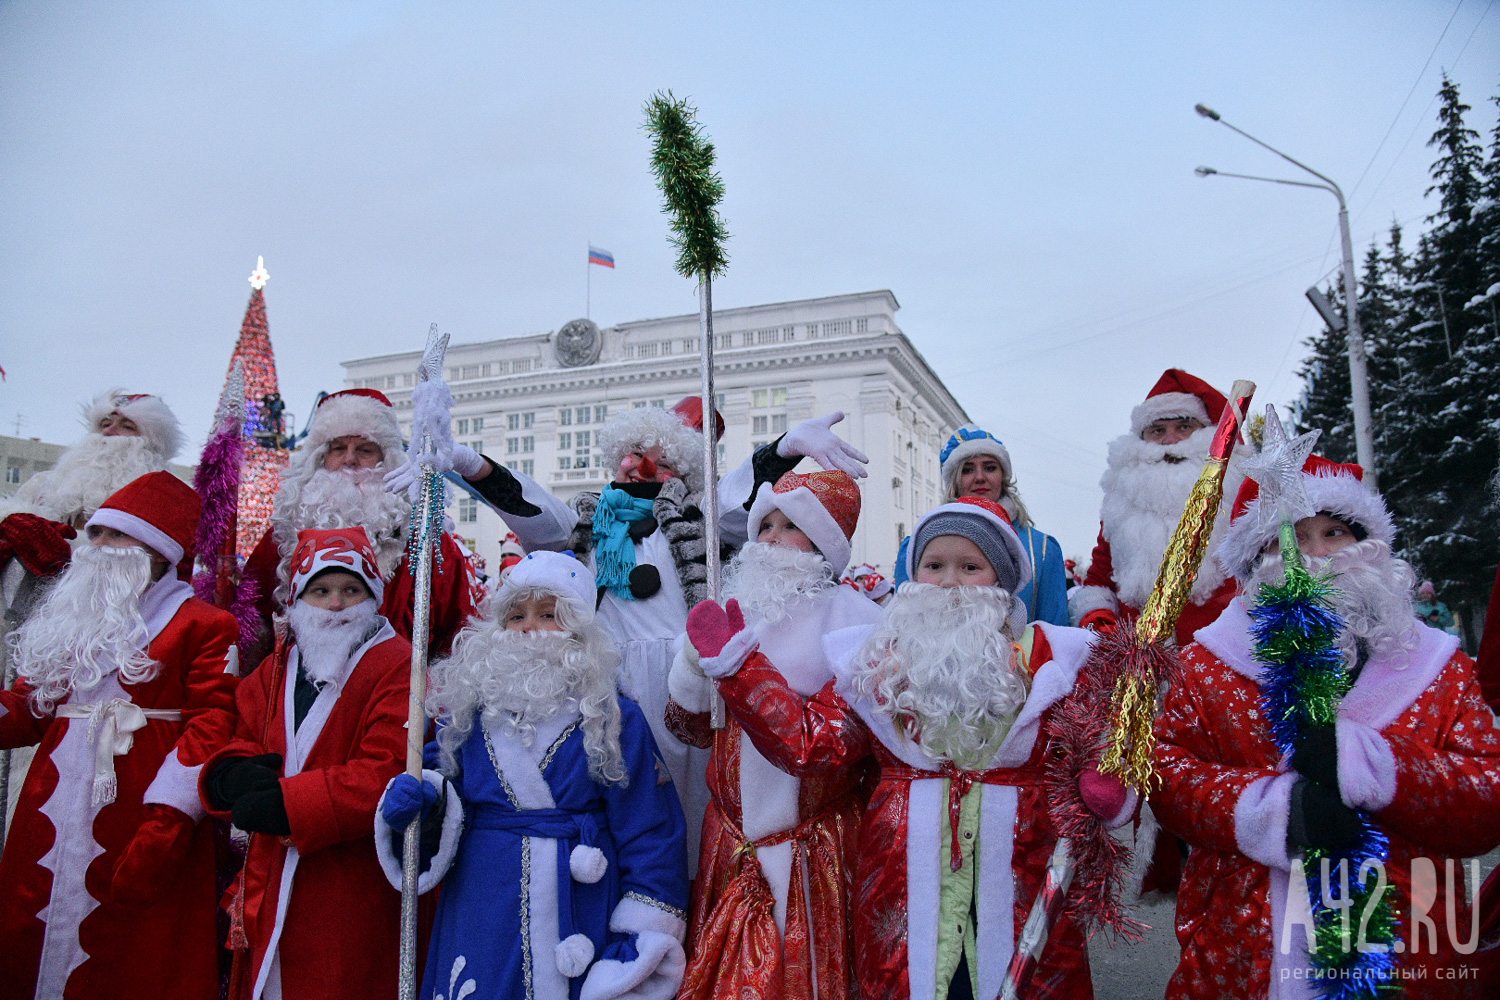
[1020, 175]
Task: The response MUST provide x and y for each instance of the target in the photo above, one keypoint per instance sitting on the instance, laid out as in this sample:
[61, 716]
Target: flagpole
[588, 283]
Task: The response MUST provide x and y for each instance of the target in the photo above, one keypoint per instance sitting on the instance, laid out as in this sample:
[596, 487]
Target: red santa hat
[557, 573]
[151, 416]
[365, 413]
[1176, 396]
[825, 505]
[160, 511]
[346, 549]
[868, 580]
[1334, 488]
[678, 432]
[511, 552]
[984, 523]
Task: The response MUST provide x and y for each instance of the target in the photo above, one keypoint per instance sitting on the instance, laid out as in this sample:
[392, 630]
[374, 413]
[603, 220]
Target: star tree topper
[259, 276]
[1278, 470]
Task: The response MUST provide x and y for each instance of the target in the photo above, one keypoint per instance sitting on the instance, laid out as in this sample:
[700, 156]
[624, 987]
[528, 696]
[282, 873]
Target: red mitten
[710, 627]
[40, 544]
[147, 866]
[1104, 794]
[1100, 620]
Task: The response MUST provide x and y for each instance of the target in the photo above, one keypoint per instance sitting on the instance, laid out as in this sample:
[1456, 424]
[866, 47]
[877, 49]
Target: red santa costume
[314, 497]
[1416, 749]
[316, 912]
[109, 874]
[766, 830]
[1145, 490]
[949, 856]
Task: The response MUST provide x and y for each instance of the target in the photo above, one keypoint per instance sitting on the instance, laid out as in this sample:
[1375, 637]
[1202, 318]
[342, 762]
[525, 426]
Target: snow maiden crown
[965, 443]
[1175, 396]
[824, 505]
[346, 549]
[557, 573]
[1334, 488]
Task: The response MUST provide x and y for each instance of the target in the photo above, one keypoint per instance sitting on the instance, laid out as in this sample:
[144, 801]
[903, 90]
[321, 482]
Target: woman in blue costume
[548, 816]
[976, 464]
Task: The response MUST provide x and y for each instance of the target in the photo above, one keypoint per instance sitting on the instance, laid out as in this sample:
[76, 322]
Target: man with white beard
[948, 697]
[335, 480]
[321, 729]
[1414, 747]
[766, 830]
[127, 436]
[1151, 472]
[550, 820]
[126, 685]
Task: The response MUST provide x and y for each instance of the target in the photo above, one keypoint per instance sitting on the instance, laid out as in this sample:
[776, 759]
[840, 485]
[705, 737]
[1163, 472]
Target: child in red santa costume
[1414, 747]
[321, 729]
[767, 831]
[948, 698]
[127, 685]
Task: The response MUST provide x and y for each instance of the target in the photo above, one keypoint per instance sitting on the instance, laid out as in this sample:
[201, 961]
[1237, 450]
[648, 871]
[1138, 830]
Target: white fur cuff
[177, 786]
[573, 954]
[1367, 767]
[733, 656]
[587, 865]
[453, 828]
[632, 916]
[655, 974]
[1092, 598]
[689, 687]
[1260, 818]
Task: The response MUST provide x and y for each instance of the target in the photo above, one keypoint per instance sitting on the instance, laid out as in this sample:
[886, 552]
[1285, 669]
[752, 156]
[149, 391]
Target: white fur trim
[1084, 600]
[363, 416]
[1166, 406]
[140, 529]
[925, 801]
[969, 449]
[1341, 495]
[803, 508]
[995, 907]
[520, 768]
[655, 974]
[733, 656]
[176, 785]
[557, 573]
[1367, 767]
[587, 865]
[150, 414]
[1260, 818]
[1008, 537]
[631, 916]
[573, 954]
[648, 427]
[453, 828]
[686, 686]
[1141, 853]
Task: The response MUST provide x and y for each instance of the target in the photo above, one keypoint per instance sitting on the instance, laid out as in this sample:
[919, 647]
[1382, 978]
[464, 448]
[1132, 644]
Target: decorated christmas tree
[265, 452]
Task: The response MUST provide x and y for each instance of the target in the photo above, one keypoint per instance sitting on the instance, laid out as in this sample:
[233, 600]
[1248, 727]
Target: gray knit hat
[987, 526]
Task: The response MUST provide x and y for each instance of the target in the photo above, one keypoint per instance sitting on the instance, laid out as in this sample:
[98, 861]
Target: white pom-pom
[574, 953]
[588, 864]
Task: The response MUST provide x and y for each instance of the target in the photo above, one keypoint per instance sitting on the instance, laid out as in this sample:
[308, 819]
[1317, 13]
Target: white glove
[816, 440]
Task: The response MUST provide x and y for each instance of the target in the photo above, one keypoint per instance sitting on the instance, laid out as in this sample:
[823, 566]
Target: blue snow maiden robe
[555, 887]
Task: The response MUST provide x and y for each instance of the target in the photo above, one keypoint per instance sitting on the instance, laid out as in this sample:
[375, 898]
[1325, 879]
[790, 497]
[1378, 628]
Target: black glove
[1315, 754]
[262, 812]
[502, 491]
[1319, 818]
[236, 777]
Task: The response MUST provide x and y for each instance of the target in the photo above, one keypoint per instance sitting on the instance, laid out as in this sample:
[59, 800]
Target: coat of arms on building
[578, 343]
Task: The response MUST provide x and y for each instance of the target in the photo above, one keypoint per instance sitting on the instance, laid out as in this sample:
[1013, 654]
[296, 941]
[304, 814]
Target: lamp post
[1359, 382]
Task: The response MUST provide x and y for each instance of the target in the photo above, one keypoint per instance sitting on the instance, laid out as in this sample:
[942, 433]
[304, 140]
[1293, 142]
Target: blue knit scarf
[614, 550]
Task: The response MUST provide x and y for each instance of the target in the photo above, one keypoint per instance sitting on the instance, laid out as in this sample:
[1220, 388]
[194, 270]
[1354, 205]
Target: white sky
[1020, 175]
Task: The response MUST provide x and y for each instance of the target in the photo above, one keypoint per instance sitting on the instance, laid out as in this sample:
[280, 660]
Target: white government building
[536, 402]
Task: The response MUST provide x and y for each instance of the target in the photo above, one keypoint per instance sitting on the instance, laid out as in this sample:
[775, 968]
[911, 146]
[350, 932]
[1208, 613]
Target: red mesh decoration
[263, 461]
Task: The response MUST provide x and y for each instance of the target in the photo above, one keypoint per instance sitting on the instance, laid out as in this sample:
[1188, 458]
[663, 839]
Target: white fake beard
[343, 499]
[89, 626]
[1373, 596]
[1146, 487]
[940, 667]
[325, 638]
[768, 580]
[85, 476]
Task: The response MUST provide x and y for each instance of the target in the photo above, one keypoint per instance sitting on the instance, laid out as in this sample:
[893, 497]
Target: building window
[637, 406]
[862, 325]
[723, 341]
[13, 473]
[408, 380]
[528, 421]
[513, 422]
[583, 439]
[462, 428]
[628, 352]
[565, 416]
[477, 445]
[719, 398]
[564, 463]
[690, 345]
[478, 424]
[666, 347]
[468, 510]
[512, 445]
[601, 414]
[760, 398]
[581, 415]
[758, 425]
[521, 365]
[778, 423]
[659, 402]
[528, 467]
[646, 351]
[756, 445]
[471, 371]
[564, 441]
[528, 444]
[778, 397]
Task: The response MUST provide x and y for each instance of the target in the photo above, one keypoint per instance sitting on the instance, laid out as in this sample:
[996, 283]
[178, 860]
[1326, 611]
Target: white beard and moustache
[518, 680]
[85, 476]
[326, 638]
[89, 626]
[769, 580]
[1145, 489]
[940, 666]
[343, 499]
[1374, 596]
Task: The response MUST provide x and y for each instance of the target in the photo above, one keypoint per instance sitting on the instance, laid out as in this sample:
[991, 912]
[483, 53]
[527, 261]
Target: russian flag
[601, 257]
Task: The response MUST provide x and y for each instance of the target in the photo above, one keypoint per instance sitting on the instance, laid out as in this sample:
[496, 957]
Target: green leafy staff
[682, 159]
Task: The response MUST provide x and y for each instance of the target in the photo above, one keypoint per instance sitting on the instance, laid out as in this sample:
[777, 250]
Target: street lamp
[1359, 383]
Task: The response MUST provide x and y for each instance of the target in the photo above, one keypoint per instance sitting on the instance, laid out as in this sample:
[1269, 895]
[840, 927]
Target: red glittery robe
[897, 882]
[1417, 747]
